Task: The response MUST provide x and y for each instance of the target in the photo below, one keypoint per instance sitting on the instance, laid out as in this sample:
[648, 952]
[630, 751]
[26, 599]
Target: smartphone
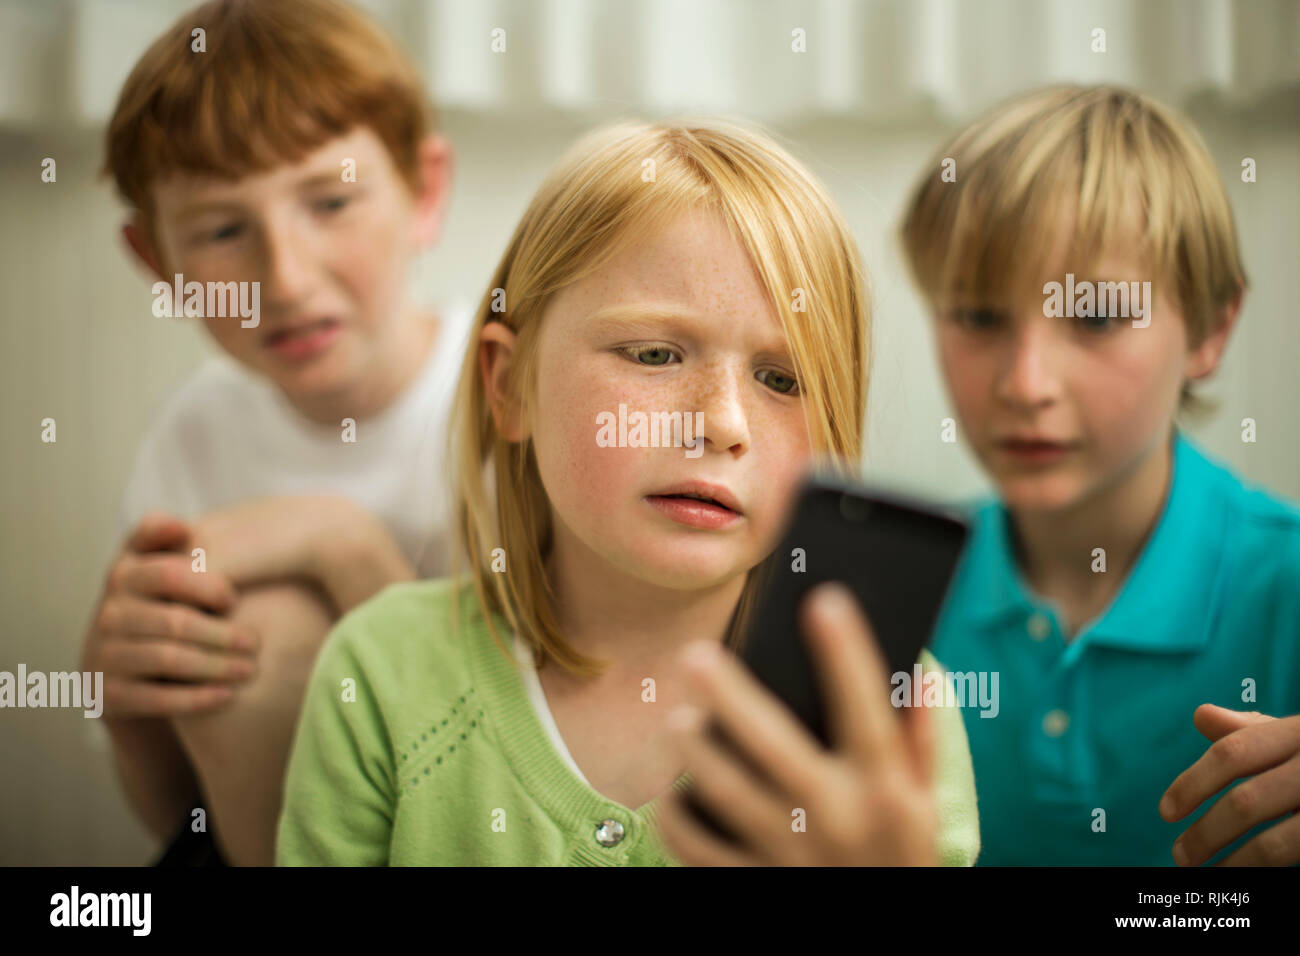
[897, 555]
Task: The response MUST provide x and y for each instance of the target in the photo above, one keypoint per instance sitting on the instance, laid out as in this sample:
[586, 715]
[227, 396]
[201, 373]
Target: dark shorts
[192, 849]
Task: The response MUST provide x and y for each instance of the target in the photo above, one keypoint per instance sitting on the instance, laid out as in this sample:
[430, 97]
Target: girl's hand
[868, 801]
[1265, 749]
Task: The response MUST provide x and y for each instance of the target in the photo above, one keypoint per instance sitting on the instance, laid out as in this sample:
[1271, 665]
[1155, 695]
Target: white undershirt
[533, 684]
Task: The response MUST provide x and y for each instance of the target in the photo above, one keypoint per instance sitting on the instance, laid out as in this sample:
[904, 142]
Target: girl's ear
[496, 348]
[1204, 358]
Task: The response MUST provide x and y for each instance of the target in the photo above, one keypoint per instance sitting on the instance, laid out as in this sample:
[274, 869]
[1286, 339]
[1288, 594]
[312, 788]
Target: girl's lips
[694, 513]
[304, 342]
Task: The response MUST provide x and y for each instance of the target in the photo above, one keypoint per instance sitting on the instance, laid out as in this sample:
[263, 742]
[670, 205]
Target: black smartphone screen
[896, 555]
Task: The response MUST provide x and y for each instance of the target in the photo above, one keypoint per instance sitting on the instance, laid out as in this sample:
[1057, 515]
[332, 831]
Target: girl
[521, 717]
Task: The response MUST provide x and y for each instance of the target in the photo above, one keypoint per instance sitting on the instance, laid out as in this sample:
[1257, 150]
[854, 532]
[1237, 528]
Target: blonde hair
[594, 203]
[1031, 161]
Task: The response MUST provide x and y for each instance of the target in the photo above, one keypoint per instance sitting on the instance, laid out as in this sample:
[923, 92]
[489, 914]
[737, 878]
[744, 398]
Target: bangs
[244, 121]
[610, 188]
[277, 81]
[621, 183]
[1068, 159]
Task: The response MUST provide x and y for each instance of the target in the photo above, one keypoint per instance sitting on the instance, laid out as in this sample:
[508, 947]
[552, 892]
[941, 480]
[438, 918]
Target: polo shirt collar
[996, 595]
[1165, 604]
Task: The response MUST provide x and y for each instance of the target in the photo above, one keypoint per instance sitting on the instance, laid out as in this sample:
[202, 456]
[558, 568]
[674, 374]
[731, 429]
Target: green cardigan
[416, 746]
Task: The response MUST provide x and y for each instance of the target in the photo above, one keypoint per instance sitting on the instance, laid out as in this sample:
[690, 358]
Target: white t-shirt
[228, 435]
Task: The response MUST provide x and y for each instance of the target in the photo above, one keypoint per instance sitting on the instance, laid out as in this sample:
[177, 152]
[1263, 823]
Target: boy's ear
[436, 163]
[1205, 358]
[138, 241]
[495, 354]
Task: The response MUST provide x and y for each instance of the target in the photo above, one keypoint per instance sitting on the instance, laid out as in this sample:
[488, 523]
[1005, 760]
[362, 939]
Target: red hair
[277, 79]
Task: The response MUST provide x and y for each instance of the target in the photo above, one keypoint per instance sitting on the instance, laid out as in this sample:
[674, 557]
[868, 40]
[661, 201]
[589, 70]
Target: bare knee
[292, 621]
[284, 612]
[240, 751]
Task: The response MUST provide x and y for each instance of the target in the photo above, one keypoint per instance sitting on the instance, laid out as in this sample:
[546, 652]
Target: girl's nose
[720, 397]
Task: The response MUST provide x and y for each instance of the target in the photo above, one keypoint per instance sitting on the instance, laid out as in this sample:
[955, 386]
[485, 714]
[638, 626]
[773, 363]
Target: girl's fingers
[855, 680]
[746, 804]
[763, 730]
[690, 842]
[920, 727]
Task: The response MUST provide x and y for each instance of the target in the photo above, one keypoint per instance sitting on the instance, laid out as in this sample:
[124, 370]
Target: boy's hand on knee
[159, 634]
[326, 539]
[267, 539]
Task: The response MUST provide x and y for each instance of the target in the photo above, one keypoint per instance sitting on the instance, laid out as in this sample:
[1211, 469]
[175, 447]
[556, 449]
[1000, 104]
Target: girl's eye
[656, 354]
[978, 320]
[780, 382]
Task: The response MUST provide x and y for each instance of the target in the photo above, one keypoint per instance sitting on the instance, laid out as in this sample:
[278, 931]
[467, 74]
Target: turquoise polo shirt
[1089, 733]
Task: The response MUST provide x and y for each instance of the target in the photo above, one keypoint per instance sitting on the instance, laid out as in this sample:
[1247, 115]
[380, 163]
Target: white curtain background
[866, 61]
[882, 84]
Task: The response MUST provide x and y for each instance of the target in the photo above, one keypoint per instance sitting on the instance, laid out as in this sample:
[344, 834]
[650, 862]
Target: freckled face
[677, 322]
[1103, 389]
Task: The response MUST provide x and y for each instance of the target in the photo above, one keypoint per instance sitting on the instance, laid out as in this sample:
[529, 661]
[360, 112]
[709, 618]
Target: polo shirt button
[1055, 722]
[609, 833]
[1038, 626]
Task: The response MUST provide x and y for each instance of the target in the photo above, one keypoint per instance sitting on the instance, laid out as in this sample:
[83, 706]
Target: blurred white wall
[78, 342]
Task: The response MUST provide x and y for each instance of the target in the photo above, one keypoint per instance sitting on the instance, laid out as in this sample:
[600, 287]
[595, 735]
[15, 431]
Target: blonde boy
[1123, 578]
